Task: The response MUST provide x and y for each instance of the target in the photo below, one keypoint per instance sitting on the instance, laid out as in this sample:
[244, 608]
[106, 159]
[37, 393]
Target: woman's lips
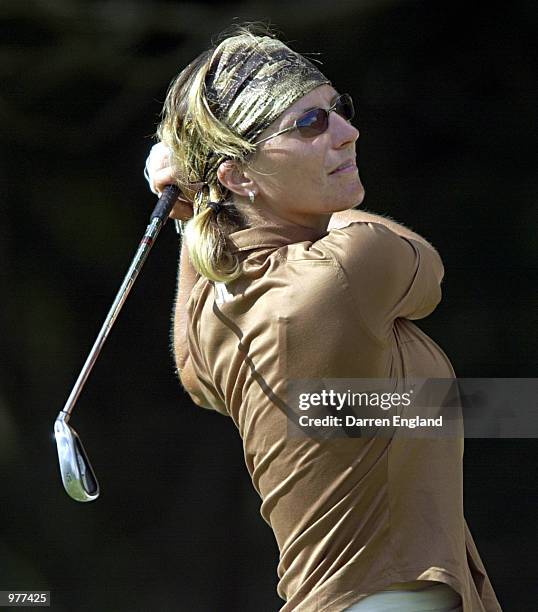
[348, 166]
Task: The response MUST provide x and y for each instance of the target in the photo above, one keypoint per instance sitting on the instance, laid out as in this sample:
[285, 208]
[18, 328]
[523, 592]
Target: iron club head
[77, 473]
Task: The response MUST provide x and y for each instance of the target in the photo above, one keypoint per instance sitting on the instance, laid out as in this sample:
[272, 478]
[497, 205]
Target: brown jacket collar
[272, 234]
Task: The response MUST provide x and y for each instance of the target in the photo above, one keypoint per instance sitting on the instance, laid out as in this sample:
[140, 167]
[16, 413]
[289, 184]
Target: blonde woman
[280, 280]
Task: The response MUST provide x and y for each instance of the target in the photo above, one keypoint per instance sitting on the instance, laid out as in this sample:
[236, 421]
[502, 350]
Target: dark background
[446, 96]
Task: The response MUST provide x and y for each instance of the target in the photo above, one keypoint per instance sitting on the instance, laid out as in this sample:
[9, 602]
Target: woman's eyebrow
[306, 110]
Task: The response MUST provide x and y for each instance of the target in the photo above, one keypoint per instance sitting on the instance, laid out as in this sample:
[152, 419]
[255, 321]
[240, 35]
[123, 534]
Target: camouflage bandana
[250, 85]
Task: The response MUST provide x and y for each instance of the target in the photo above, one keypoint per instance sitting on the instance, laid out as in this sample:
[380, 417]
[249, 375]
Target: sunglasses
[316, 121]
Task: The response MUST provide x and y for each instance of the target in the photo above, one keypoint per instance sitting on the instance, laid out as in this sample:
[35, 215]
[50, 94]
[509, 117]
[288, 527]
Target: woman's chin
[361, 195]
[355, 198]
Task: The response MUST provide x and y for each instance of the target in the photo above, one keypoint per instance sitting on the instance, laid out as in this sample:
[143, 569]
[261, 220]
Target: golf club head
[78, 476]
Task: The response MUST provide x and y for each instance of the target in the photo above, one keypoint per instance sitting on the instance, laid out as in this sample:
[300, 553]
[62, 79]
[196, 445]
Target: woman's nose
[343, 131]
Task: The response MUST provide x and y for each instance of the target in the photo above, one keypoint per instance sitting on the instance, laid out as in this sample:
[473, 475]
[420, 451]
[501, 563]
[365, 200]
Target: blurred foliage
[446, 96]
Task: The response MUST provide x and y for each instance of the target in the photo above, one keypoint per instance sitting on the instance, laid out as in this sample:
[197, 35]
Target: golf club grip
[165, 204]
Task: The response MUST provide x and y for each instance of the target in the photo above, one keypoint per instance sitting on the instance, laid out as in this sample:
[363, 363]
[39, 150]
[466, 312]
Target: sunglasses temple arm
[158, 218]
[288, 129]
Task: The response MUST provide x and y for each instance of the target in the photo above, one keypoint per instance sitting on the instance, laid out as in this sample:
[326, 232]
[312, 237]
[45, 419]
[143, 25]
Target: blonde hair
[193, 133]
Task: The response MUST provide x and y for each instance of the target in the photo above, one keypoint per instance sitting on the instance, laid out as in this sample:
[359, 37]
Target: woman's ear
[230, 174]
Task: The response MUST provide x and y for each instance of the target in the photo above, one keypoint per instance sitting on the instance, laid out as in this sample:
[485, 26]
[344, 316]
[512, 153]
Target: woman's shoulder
[359, 241]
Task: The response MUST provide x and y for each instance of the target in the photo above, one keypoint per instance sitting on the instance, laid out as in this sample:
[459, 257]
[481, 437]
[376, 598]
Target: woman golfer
[281, 280]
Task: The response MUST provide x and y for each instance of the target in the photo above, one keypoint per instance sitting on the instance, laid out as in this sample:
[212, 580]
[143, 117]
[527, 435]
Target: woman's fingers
[163, 177]
[159, 173]
[183, 208]
[158, 158]
[182, 211]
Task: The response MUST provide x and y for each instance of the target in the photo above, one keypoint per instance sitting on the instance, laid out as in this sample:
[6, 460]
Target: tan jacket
[350, 515]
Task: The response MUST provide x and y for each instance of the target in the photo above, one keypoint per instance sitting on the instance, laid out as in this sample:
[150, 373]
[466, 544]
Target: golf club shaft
[158, 218]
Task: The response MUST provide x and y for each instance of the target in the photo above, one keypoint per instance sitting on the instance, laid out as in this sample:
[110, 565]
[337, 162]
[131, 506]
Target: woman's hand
[159, 173]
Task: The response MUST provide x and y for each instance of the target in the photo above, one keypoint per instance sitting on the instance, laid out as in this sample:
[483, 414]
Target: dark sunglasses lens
[313, 123]
[316, 121]
[344, 107]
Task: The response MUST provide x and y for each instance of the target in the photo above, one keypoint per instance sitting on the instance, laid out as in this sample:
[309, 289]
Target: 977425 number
[25, 598]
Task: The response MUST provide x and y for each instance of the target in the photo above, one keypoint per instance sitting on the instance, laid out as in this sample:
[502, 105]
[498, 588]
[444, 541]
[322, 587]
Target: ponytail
[206, 238]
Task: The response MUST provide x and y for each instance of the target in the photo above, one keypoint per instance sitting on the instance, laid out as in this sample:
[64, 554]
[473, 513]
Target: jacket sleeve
[192, 386]
[189, 365]
[388, 275]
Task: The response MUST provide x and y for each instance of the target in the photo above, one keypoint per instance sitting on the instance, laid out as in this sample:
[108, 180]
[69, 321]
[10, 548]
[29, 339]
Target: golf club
[78, 477]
